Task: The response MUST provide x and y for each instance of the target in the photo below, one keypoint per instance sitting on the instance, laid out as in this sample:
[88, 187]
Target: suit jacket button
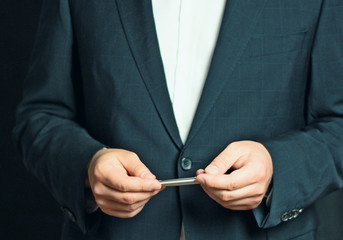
[296, 212]
[291, 215]
[186, 163]
[285, 217]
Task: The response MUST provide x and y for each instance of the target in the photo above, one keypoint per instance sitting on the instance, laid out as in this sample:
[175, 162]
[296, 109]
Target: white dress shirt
[187, 33]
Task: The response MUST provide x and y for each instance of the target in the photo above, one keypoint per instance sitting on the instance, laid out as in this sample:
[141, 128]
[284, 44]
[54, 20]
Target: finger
[134, 166]
[242, 207]
[214, 195]
[200, 171]
[131, 197]
[223, 161]
[121, 214]
[235, 180]
[124, 183]
[103, 191]
[236, 204]
[115, 206]
[250, 203]
[251, 191]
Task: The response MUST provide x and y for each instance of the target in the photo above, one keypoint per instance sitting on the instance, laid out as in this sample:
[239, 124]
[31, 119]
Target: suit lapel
[238, 23]
[139, 27]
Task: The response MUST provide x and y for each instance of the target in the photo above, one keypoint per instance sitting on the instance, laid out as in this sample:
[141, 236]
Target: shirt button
[186, 164]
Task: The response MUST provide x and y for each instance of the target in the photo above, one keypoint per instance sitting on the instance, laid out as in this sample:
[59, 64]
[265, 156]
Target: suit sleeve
[308, 163]
[48, 132]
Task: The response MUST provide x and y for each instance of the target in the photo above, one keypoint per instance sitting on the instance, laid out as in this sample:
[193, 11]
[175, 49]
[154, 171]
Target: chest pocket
[270, 44]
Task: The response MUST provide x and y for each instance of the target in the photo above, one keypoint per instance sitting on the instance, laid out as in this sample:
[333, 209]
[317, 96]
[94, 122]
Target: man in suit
[102, 109]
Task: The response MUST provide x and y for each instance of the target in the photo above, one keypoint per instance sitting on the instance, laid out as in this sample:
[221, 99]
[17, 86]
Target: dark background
[26, 210]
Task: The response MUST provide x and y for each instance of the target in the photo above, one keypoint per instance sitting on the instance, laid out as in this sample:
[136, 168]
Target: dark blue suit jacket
[97, 79]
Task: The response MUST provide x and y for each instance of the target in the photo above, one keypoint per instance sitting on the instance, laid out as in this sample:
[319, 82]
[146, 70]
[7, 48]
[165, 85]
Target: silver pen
[179, 182]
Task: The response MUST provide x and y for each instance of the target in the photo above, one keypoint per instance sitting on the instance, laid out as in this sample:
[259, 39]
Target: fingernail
[148, 175]
[211, 169]
[200, 171]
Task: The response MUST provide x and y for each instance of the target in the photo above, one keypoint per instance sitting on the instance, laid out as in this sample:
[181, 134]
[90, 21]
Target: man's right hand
[120, 182]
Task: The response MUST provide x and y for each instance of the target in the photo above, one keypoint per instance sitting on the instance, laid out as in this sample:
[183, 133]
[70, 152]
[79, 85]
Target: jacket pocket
[269, 44]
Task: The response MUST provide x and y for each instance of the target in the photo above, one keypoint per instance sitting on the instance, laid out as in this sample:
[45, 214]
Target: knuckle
[131, 214]
[132, 155]
[232, 185]
[225, 196]
[136, 168]
[261, 173]
[222, 196]
[100, 167]
[97, 172]
[128, 199]
[131, 207]
[256, 202]
[141, 186]
[233, 145]
[260, 191]
[100, 203]
[221, 161]
[236, 146]
[96, 190]
[121, 187]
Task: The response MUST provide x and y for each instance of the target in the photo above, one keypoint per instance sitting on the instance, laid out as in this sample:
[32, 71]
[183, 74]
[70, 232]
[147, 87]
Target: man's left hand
[245, 187]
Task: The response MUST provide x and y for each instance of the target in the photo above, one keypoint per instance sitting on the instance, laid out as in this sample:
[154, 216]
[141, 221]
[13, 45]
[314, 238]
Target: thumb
[136, 168]
[222, 162]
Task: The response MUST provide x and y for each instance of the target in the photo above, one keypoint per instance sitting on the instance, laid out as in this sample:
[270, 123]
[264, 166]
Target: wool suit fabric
[96, 80]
